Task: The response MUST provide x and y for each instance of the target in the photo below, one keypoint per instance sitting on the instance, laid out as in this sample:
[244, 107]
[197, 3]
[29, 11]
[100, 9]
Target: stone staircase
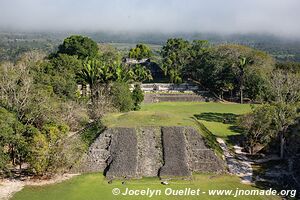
[167, 152]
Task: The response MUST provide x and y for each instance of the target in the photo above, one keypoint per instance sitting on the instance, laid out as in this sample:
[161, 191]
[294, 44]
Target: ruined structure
[150, 151]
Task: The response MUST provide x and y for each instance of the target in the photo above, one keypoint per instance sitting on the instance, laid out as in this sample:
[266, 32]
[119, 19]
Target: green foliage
[109, 54]
[232, 65]
[60, 74]
[14, 45]
[52, 151]
[140, 73]
[293, 67]
[39, 96]
[140, 51]
[12, 141]
[257, 127]
[32, 112]
[283, 87]
[267, 123]
[284, 116]
[97, 72]
[40, 150]
[199, 47]
[121, 96]
[4, 160]
[175, 55]
[91, 132]
[100, 75]
[137, 97]
[80, 46]
[90, 72]
[283, 96]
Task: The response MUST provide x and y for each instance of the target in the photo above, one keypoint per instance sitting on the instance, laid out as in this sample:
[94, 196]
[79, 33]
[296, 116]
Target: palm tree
[95, 73]
[175, 76]
[123, 74]
[243, 63]
[90, 74]
[141, 74]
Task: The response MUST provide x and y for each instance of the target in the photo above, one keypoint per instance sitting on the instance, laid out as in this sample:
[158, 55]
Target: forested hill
[13, 44]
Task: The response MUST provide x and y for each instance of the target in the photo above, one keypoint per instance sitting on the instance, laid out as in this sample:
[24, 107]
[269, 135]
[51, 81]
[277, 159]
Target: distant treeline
[14, 44]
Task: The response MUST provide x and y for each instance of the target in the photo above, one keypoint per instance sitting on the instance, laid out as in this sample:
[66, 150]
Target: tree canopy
[175, 55]
[140, 51]
[78, 45]
[228, 68]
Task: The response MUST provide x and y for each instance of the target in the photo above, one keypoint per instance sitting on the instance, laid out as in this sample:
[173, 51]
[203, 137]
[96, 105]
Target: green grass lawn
[95, 187]
[217, 117]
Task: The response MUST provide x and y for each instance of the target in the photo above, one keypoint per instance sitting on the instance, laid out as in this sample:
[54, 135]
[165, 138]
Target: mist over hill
[15, 42]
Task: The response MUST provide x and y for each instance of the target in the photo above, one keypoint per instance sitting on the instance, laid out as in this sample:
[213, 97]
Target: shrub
[91, 132]
[121, 97]
[53, 151]
[39, 151]
[137, 97]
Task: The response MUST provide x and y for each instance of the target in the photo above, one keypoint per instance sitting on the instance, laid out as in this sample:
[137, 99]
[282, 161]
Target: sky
[279, 17]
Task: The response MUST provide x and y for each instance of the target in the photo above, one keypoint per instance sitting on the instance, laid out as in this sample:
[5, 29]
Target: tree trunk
[251, 150]
[282, 143]
[12, 153]
[20, 163]
[242, 96]
[242, 85]
[92, 93]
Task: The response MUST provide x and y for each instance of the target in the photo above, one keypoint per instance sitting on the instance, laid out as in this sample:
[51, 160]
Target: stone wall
[201, 159]
[168, 87]
[179, 97]
[99, 153]
[150, 151]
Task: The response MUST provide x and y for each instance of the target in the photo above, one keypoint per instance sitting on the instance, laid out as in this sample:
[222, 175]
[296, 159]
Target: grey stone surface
[179, 97]
[96, 158]
[201, 158]
[174, 153]
[150, 151]
[123, 154]
[150, 158]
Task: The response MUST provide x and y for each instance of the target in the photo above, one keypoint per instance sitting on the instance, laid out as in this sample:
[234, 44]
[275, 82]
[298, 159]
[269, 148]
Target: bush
[257, 127]
[121, 97]
[52, 151]
[39, 151]
[91, 132]
[137, 97]
[4, 159]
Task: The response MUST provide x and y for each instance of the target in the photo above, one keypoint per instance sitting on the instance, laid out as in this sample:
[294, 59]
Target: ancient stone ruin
[167, 152]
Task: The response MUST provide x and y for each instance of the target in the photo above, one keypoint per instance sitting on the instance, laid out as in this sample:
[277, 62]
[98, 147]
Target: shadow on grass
[209, 137]
[226, 118]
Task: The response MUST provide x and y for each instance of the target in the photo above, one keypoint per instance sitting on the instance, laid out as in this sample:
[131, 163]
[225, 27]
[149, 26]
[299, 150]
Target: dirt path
[9, 187]
[237, 163]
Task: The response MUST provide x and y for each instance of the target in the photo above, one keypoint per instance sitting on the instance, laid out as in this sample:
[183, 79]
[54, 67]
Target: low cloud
[221, 16]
